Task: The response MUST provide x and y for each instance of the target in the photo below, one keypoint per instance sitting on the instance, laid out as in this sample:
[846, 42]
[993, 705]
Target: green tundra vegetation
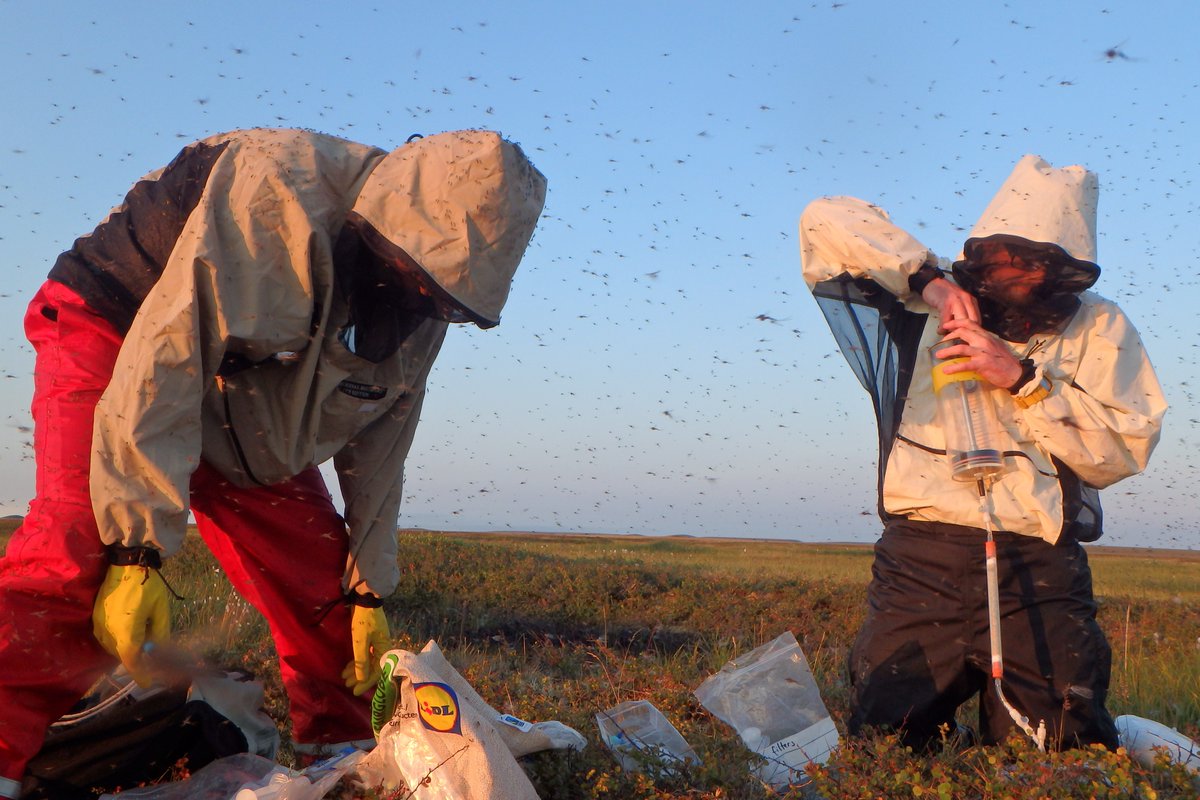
[558, 627]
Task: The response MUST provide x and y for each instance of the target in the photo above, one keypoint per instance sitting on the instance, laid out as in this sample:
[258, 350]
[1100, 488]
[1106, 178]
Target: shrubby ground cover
[561, 627]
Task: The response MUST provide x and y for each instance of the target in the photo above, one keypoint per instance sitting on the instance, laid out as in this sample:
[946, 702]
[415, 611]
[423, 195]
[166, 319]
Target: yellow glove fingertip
[365, 686]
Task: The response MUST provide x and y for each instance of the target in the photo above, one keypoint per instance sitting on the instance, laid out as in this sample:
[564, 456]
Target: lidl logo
[438, 707]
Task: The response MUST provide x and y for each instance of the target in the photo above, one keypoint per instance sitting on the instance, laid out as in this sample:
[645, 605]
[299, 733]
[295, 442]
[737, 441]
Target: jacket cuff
[120, 556]
[1028, 373]
[927, 274]
[366, 600]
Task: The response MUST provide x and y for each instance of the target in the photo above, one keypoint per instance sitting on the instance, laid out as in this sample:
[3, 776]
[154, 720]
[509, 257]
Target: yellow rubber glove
[131, 609]
[371, 639]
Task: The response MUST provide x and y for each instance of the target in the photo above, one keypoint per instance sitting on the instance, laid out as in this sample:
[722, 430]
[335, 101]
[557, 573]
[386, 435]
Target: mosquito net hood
[1046, 218]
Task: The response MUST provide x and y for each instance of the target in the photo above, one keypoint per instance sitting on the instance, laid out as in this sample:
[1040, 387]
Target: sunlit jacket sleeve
[845, 235]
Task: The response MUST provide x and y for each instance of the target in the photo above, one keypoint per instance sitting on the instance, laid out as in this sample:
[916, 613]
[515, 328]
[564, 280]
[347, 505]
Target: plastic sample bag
[642, 739]
[217, 780]
[438, 737]
[246, 776]
[770, 698]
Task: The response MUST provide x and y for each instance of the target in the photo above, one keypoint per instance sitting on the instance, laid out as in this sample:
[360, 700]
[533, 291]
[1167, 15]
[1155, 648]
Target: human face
[1011, 275]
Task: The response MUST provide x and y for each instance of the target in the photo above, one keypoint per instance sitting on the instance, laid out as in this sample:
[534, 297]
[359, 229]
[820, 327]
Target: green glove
[371, 638]
[131, 609]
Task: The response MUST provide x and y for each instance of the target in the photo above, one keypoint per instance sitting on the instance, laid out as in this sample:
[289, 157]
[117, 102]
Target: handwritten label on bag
[787, 757]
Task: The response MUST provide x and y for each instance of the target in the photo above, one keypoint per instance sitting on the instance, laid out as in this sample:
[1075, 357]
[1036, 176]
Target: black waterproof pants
[924, 648]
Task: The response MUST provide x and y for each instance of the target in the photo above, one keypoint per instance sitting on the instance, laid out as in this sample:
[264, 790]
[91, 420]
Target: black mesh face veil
[408, 273]
[879, 339]
[1048, 308]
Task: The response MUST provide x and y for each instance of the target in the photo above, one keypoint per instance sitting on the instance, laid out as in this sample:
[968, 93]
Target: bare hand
[986, 354]
[951, 301]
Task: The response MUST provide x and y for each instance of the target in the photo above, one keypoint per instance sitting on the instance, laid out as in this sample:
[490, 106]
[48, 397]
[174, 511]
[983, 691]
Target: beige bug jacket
[1100, 421]
[251, 275]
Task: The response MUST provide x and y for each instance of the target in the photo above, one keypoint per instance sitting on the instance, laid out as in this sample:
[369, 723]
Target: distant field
[549, 626]
[1116, 570]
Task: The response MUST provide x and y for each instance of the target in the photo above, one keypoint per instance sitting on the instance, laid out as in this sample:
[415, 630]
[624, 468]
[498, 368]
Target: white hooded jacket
[249, 272]
[1098, 425]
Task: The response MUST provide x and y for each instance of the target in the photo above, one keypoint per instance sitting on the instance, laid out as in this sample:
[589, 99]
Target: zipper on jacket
[237, 444]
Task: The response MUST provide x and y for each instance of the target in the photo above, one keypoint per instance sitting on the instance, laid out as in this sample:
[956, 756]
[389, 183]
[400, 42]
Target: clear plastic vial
[966, 410]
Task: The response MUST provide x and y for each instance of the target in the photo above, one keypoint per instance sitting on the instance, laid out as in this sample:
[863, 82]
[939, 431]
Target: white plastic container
[1144, 737]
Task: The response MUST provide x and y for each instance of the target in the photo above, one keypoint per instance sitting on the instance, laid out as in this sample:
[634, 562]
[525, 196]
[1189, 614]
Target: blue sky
[631, 386]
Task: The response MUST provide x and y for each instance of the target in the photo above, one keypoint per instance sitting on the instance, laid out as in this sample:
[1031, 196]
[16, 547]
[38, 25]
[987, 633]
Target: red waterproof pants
[283, 547]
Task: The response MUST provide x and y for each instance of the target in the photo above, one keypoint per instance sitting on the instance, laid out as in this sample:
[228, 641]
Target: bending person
[269, 300]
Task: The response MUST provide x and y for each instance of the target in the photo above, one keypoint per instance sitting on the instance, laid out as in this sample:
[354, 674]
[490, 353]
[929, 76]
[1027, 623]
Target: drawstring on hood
[1045, 216]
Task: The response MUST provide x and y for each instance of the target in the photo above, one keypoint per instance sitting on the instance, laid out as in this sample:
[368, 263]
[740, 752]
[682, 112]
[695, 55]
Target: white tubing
[993, 598]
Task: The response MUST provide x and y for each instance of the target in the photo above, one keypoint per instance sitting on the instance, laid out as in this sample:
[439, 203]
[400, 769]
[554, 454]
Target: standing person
[1079, 407]
[269, 300]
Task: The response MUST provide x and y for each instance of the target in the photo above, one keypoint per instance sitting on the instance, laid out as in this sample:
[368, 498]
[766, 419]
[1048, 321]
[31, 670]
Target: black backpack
[121, 736]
